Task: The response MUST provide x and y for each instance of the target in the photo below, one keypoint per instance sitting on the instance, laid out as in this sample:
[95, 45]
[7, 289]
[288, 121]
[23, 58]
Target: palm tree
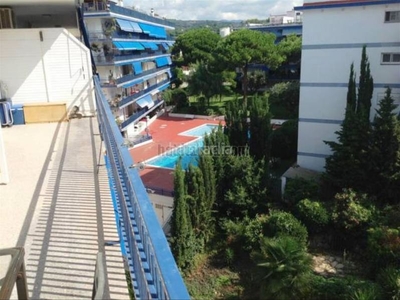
[283, 267]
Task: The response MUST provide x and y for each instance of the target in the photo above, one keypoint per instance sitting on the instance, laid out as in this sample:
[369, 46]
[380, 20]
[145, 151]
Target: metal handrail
[15, 274]
[130, 77]
[142, 240]
[131, 98]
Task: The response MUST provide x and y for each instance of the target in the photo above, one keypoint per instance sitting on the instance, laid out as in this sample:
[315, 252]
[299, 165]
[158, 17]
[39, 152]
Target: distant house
[334, 33]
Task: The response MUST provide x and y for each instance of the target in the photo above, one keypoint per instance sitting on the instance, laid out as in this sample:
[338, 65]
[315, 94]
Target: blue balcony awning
[124, 25]
[155, 31]
[169, 60]
[136, 27]
[149, 45]
[142, 102]
[169, 73]
[128, 45]
[137, 66]
[165, 46]
[161, 61]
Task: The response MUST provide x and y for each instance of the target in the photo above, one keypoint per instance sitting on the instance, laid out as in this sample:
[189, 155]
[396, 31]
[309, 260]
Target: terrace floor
[165, 133]
[58, 207]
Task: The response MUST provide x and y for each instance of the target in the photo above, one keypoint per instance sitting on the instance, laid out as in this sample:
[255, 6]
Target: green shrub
[254, 232]
[209, 112]
[221, 111]
[286, 94]
[284, 223]
[338, 288]
[389, 280]
[313, 214]
[384, 246]
[298, 189]
[352, 210]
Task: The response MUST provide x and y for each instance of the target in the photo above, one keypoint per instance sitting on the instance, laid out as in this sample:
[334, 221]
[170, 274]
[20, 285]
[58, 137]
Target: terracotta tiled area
[165, 132]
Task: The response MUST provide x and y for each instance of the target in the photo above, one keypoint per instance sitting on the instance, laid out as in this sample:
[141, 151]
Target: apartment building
[130, 50]
[334, 33]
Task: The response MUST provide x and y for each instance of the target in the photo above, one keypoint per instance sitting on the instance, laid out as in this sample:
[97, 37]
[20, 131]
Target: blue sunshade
[137, 66]
[125, 25]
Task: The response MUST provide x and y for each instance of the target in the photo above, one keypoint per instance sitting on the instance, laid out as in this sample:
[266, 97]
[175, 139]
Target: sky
[214, 9]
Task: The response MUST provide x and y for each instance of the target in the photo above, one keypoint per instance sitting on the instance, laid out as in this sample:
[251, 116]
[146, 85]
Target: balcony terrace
[131, 77]
[140, 114]
[97, 9]
[116, 58]
[130, 99]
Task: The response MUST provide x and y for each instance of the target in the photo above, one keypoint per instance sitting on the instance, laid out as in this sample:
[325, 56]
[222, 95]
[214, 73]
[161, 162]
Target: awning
[161, 61]
[170, 43]
[165, 45]
[142, 102]
[124, 25]
[128, 45]
[136, 27]
[169, 60]
[137, 66]
[145, 101]
[155, 31]
[169, 73]
[149, 45]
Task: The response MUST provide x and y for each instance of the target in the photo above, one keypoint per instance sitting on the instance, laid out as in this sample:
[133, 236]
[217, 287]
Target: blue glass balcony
[140, 114]
[130, 77]
[128, 100]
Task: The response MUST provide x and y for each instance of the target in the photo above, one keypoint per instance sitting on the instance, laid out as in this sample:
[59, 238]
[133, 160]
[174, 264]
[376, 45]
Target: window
[392, 16]
[390, 58]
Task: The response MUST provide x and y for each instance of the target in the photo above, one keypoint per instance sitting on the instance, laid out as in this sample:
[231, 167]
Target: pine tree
[385, 151]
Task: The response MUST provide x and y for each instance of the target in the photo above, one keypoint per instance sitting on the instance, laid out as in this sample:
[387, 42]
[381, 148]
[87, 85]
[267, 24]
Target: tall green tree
[181, 229]
[346, 167]
[290, 47]
[196, 45]
[260, 129]
[385, 151]
[244, 47]
[237, 125]
[257, 79]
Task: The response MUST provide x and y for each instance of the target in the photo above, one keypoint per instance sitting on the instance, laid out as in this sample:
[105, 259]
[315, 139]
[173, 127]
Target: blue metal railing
[153, 268]
[130, 99]
[120, 59]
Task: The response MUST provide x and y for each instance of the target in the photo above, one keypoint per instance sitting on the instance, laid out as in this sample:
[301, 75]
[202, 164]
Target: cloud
[215, 9]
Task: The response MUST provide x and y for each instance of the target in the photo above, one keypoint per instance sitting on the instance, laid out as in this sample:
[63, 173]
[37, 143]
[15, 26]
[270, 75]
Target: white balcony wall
[54, 69]
[337, 25]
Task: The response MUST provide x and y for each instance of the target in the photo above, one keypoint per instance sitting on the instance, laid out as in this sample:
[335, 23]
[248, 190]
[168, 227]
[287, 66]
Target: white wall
[57, 69]
[331, 42]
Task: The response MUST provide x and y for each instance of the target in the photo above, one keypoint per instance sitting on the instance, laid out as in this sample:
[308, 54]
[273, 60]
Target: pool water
[188, 153]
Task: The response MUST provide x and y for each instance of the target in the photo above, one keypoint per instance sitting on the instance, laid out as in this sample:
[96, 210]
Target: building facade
[334, 33]
[130, 50]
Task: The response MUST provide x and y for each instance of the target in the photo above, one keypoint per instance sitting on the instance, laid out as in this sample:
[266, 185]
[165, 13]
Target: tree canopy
[196, 45]
[244, 47]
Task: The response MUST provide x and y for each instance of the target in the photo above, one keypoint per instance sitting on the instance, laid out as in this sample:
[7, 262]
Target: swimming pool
[188, 152]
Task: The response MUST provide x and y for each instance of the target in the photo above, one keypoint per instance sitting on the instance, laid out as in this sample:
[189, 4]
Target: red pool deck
[165, 132]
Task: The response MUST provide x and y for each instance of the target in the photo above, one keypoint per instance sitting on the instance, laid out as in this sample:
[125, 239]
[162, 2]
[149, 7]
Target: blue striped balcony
[130, 99]
[122, 59]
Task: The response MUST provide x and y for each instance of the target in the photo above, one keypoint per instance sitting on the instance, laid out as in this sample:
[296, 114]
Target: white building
[333, 37]
[290, 17]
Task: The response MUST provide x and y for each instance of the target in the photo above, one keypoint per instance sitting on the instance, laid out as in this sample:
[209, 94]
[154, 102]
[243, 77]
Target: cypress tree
[207, 169]
[237, 126]
[181, 229]
[385, 151]
[347, 166]
[260, 129]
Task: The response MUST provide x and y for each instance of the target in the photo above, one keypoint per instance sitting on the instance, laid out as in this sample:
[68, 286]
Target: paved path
[57, 205]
